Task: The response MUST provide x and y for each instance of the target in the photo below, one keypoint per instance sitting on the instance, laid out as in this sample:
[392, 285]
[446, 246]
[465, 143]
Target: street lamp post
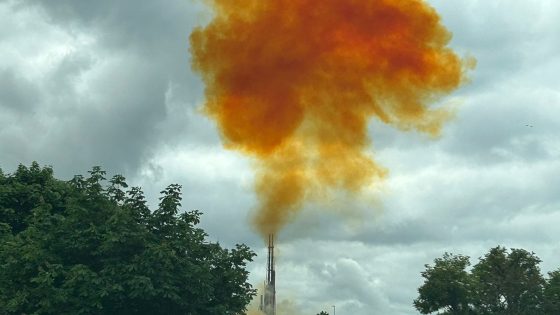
[334, 310]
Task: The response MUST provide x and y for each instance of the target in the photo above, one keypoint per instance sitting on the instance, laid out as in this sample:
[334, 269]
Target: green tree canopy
[91, 247]
[502, 282]
[446, 286]
[552, 293]
[508, 283]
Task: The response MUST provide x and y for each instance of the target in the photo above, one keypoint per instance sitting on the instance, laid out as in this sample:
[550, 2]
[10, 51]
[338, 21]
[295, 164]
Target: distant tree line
[502, 283]
[88, 246]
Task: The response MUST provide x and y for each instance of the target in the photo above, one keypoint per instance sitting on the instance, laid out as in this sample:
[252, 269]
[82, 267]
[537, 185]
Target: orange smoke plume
[294, 83]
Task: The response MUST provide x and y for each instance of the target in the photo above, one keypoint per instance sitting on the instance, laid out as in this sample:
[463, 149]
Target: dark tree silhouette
[446, 286]
[502, 283]
[552, 293]
[508, 283]
[85, 247]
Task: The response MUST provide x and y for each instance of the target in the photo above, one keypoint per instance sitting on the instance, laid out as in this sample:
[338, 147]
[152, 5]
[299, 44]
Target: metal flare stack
[268, 300]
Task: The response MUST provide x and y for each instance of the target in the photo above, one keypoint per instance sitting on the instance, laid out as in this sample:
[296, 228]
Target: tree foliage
[552, 293]
[502, 282]
[446, 286]
[508, 283]
[88, 247]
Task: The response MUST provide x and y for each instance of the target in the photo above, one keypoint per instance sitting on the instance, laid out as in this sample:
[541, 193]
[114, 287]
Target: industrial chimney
[268, 300]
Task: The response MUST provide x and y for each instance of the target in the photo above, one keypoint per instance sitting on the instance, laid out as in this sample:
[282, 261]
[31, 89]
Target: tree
[508, 283]
[79, 248]
[552, 293]
[323, 313]
[446, 286]
[24, 190]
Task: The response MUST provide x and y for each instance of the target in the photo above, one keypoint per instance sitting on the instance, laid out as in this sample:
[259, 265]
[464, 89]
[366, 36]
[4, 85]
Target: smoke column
[294, 83]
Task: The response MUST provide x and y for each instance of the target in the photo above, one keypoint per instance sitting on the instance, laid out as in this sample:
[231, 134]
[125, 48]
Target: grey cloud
[17, 94]
[70, 68]
[506, 37]
[511, 122]
[355, 277]
[115, 115]
[115, 132]
[467, 204]
[159, 33]
[119, 132]
[351, 282]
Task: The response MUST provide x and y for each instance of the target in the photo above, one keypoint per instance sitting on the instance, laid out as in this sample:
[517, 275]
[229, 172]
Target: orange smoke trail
[295, 82]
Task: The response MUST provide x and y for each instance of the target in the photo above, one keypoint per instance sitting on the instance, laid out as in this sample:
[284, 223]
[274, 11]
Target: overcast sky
[108, 83]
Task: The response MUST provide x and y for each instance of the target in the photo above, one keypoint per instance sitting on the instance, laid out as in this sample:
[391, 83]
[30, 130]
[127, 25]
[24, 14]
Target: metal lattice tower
[268, 300]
